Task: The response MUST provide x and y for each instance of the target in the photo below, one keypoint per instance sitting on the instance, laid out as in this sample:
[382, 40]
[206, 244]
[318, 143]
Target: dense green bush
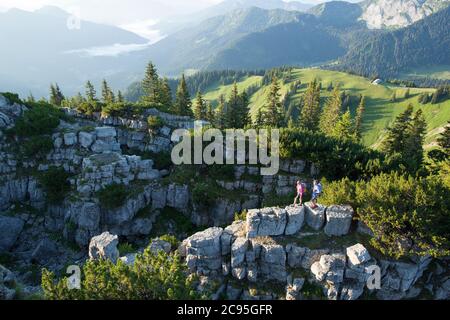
[55, 183]
[203, 193]
[336, 159]
[11, 97]
[155, 123]
[89, 107]
[118, 109]
[39, 120]
[339, 192]
[407, 215]
[113, 196]
[37, 147]
[153, 277]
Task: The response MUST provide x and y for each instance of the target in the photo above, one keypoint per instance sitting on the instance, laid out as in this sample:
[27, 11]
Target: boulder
[295, 255]
[238, 251]
[295, 219]
[203, 251]
[339, 220]
[357, 255]
[315, 218]
[104, 246]
[266, 222]
[10, 229]
[329, 268]
[105, 132]
[86, 139]
[70, 139]
[273, 262]
[230, 233]
[158, 245]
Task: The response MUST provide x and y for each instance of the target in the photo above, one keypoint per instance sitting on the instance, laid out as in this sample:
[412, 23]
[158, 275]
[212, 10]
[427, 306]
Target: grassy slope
[436, 72]
[380, 111]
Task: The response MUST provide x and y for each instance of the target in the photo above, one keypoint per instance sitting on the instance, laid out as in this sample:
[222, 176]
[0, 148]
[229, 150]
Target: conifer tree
[107, 94]
[244, 110]
[31, 98]
[183, 104]
[220, 113]
[413, 153]
[56, 96]
[397, 134]
[151, 84]
[344, 129]
[444, 139]
[310, 115]
[120, 97]
[90, 92]
[331, 113]
[232, 109]
[359, 118]
[210, 115]
[165, 94]
[274, 108]
[259, 120]
[200, 107]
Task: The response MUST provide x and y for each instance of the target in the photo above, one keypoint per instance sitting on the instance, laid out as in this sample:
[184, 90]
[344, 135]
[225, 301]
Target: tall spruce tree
[183, 104]
[90, 92]
[165, 94]
[397, 134]
[444, 139]
[210, 115]
[359, 118]
[244, 110]
[413, 150]
[107, 94]
[56, 96]
[344, 129]
[310, 115]
[259, 119]
[200, 107]
[220, 114]
[232, 109]
[151, 85]
[331, 113]
[273, 116]
[120, 97]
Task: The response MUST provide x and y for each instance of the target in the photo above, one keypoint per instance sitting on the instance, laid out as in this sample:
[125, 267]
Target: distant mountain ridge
[380, 14]
[424, 43]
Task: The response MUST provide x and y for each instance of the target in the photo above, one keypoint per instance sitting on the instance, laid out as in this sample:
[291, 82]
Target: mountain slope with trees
[425, 43]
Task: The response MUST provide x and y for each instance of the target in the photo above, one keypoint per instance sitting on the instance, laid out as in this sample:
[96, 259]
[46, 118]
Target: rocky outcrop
[10, 229]
[274, 221]
[255, 251]
[315, 218]
[203, 252]
[23, 190]
[387, 13]
[339, 220]
[104, 247]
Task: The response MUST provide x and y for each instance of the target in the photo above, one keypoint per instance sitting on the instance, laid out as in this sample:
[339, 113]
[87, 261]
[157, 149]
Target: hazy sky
[134, 15]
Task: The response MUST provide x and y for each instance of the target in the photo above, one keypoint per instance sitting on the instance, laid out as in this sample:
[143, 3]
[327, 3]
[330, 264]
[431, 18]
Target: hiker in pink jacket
[301, 189]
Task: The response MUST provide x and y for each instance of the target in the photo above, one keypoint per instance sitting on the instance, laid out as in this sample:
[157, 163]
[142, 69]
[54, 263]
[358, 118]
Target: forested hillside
[426, 42]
